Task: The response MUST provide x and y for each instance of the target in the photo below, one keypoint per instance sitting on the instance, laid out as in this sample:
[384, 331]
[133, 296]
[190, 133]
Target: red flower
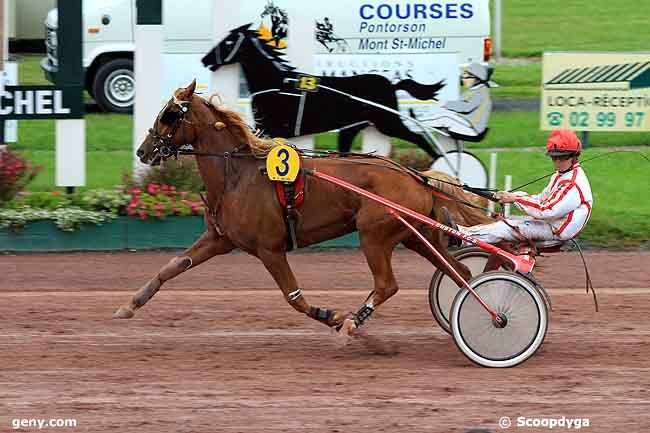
[152, 188]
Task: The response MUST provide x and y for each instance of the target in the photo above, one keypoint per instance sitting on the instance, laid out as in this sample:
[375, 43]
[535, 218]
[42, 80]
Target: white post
[493, 177]
[506, 187]
[300, 51]
[497, 30]
[148, 57]
[225, 81]
[70, 152]
[4, 56]
[4, 32]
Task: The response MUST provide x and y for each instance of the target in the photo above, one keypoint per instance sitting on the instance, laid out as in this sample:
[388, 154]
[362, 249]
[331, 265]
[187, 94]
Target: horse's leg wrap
[296, 300]
[363, 314]
[329, 317]
[294, 296]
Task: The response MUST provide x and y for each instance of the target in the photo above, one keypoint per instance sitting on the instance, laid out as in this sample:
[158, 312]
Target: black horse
[287, 103]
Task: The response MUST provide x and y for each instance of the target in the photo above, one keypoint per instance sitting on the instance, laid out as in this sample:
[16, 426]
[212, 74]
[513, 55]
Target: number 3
[284, 155]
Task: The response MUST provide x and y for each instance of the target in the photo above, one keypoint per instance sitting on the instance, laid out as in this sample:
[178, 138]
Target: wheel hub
[501, 321]
[120, 86]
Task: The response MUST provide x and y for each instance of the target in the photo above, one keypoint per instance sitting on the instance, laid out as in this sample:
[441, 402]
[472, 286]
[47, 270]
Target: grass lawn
[519, 81]
[104, 169]
[532, 27]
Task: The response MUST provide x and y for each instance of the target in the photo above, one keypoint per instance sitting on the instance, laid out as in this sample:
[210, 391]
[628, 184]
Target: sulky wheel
[443, 290]
[511, 296]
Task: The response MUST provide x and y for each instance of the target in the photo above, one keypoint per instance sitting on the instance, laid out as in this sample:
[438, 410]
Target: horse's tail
[420, 91]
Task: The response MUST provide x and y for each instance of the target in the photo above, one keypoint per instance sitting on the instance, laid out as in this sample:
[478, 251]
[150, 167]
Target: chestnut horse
[244, 213]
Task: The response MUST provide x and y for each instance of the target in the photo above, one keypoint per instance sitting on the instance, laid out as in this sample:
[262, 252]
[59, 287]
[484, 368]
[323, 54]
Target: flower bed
[157, 216]
[145, 214]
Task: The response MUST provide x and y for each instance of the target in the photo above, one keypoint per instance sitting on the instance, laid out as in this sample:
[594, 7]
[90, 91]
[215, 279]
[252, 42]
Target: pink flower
[135, 191]
[143, 216]
[152, 188]
[158, 214]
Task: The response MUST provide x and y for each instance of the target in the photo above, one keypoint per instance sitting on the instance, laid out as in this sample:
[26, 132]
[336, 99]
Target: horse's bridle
[163, 146]
[163, 143]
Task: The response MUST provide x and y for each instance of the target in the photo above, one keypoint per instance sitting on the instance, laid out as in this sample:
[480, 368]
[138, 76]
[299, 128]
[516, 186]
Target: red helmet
[563, 142]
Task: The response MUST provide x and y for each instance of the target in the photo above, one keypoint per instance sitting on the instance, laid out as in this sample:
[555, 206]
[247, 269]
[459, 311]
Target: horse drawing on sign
[325, 36]
[287, 103]
[279, 22]
[243, 212]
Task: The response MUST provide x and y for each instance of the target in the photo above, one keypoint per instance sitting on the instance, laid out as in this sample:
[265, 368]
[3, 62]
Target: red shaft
[446, 263]
[521, 263]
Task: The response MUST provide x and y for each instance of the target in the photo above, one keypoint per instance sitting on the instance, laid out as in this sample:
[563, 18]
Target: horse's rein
[166, 151]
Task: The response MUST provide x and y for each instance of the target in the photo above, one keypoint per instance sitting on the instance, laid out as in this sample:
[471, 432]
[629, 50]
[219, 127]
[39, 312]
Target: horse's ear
[242, 28]
[187, 92]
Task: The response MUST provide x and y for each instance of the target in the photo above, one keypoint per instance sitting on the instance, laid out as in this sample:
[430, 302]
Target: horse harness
[290, 194]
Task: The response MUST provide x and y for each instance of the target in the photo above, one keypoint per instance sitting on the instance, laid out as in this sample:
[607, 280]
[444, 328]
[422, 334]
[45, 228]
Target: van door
[107, 21]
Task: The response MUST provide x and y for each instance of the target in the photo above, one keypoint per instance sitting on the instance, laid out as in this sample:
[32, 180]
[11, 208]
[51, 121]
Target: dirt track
[219, 350]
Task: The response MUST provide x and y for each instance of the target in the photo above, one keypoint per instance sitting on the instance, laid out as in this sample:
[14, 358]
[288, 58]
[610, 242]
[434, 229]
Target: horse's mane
[260, 146]
[272, 52]
[461, 213]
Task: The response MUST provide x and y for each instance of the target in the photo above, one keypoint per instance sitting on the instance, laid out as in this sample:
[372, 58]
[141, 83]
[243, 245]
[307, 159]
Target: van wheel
[114, 86]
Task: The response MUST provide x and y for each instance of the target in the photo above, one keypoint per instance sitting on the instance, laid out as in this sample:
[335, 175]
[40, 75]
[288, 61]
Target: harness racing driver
[559, 212]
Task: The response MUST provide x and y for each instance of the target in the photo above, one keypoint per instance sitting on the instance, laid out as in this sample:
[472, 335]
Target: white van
[355, 26]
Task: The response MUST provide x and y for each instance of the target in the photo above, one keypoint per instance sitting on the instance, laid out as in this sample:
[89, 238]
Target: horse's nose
[140, 152]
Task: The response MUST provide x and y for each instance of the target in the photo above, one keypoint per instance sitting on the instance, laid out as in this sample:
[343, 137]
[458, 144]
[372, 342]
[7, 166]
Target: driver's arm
[464, 107]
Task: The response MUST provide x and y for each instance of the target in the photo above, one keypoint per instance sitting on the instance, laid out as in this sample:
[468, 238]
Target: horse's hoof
[345, 334]
[123, 313]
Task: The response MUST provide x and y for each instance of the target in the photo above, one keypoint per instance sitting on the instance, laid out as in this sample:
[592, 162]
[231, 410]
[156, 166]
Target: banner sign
[396, 67]
[40, 102]
[397, 39]
[392, 26]
[596, 91]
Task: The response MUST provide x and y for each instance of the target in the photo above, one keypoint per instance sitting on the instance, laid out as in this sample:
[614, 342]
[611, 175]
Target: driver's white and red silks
[559, 212]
